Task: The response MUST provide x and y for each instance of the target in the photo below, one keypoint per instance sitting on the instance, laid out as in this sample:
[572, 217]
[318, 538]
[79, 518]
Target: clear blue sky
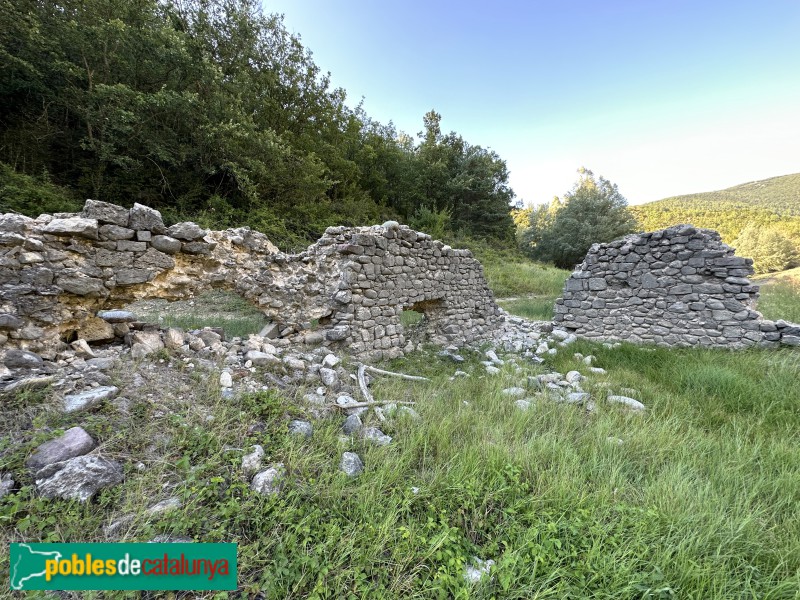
[662, 97]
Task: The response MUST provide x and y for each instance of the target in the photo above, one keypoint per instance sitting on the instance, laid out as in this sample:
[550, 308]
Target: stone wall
[680, 286]
[58, 271]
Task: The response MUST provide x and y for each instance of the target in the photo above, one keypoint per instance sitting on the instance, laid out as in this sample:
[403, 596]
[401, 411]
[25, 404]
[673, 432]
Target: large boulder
[22, 359]
[105, 212]
[143, 217]
[73, 226]
[74, 442]
[78, 478]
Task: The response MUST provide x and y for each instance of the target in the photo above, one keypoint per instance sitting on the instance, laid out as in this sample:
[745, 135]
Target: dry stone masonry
[680, 286]
[58, 272]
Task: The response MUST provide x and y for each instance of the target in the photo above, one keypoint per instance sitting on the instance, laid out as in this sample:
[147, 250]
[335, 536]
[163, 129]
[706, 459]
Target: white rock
[329, 377]
[252, 462]
[345, 400]
[270, 349]
[173, 338]
[573, 377]
[492, 356]
[75, 402]
[352, 424]
[351, 464]
[78, 478]
[73, 226]
[303, 428]
[376, 436]
[330, 361]
[258, 358]
[294, 363]
[477, 569]
[515, 392]
[629, 402]
[576, 398]
[73, 442]
[225, 379]
[270, 481]
[165, 506]
[82, 348]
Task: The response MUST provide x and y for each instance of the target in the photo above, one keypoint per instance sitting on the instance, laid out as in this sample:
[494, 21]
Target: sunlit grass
[524, 278]
[538, 308]
[780, 296]
[227, 310]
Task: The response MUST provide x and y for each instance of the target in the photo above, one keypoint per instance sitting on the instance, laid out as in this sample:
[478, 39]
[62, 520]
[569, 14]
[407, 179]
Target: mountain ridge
[772, 202]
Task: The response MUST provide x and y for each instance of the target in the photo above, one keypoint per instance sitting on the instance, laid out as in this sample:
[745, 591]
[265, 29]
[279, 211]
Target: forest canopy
[213, 111]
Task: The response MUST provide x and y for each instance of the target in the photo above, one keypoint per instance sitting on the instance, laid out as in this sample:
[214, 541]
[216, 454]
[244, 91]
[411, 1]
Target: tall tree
[593, 211]
[769, 250]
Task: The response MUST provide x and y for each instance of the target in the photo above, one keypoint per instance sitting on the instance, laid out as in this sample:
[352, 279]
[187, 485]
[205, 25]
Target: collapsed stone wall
[58, 271]
[680, 286]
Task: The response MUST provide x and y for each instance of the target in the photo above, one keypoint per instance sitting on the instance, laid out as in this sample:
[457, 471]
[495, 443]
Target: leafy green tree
[593, 211]
[769, 250]
[469, 182]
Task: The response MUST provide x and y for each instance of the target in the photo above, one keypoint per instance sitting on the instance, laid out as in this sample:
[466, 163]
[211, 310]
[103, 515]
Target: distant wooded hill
[770, 203]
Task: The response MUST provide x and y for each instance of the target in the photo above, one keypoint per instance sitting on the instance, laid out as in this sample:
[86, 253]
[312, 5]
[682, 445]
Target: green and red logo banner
[122, 566]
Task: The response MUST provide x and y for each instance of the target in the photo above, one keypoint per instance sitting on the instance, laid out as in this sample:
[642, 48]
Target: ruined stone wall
[680, 286]
[58, 271]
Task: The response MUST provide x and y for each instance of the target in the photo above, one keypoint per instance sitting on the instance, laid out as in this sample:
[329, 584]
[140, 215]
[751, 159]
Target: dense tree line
[211, 110]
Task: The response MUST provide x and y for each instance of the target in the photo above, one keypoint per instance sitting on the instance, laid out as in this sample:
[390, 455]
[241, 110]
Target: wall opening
[218, 308]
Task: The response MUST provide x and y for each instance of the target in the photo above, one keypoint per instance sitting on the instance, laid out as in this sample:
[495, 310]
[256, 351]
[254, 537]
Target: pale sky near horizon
[662, 97]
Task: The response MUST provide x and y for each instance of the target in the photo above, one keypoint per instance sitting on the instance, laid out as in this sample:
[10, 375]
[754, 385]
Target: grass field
[525, 288]
[698, 500]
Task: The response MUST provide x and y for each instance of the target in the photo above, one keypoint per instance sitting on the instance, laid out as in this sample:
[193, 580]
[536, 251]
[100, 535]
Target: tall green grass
[780, 299]
[510, 273]
[538, 308]
[524, 278]
[699, 501]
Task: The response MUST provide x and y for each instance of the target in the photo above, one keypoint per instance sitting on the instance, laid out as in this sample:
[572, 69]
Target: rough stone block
[105, 213]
